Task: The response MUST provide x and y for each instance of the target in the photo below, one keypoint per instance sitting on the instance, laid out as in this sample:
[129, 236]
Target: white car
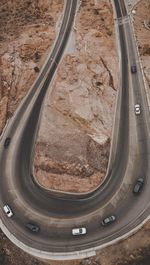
[137, 109]
[8, 211]
[79, 231]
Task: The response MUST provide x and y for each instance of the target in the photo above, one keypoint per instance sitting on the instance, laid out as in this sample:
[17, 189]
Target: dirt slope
[74, 139]
[27, 30]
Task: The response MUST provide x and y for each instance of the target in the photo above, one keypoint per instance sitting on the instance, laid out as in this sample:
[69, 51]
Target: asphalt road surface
[57, 213]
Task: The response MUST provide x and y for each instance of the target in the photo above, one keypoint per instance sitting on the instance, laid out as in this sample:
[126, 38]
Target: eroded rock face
[141, 22]
[74, 138]
[27, 30]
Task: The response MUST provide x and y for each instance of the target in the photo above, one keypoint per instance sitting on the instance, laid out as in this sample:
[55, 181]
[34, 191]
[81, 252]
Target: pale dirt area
[74, 138]
[17, 72]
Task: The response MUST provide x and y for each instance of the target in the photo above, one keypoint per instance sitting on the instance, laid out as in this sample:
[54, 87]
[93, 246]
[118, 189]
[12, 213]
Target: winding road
[57, 213]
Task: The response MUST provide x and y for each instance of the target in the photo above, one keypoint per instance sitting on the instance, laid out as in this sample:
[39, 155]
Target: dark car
[108, 220]
[138, 186]
[133, 69]
[32, 227]
[7, 142]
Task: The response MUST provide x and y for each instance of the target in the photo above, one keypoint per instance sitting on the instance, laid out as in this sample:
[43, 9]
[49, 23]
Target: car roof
[79, 230]
[136, 187]
[33, 227]
[109, 218]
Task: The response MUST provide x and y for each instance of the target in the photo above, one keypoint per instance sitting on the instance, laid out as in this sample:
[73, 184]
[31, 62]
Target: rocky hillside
[73, 145]
[142, 21]
[27, 30]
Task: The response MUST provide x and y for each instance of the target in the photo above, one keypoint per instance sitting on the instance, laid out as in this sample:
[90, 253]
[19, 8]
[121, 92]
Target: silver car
[137, 109]
[8, 211]
[79, 231]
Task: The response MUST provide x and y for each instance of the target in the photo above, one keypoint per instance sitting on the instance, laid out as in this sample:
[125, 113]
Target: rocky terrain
[27, 30]
[74, 139]
[142, 29]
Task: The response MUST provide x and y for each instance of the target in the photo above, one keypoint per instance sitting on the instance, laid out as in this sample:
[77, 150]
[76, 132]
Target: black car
[133, 69]
[108, 220]
[7, 142]
[32, 227]
[138, 185]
